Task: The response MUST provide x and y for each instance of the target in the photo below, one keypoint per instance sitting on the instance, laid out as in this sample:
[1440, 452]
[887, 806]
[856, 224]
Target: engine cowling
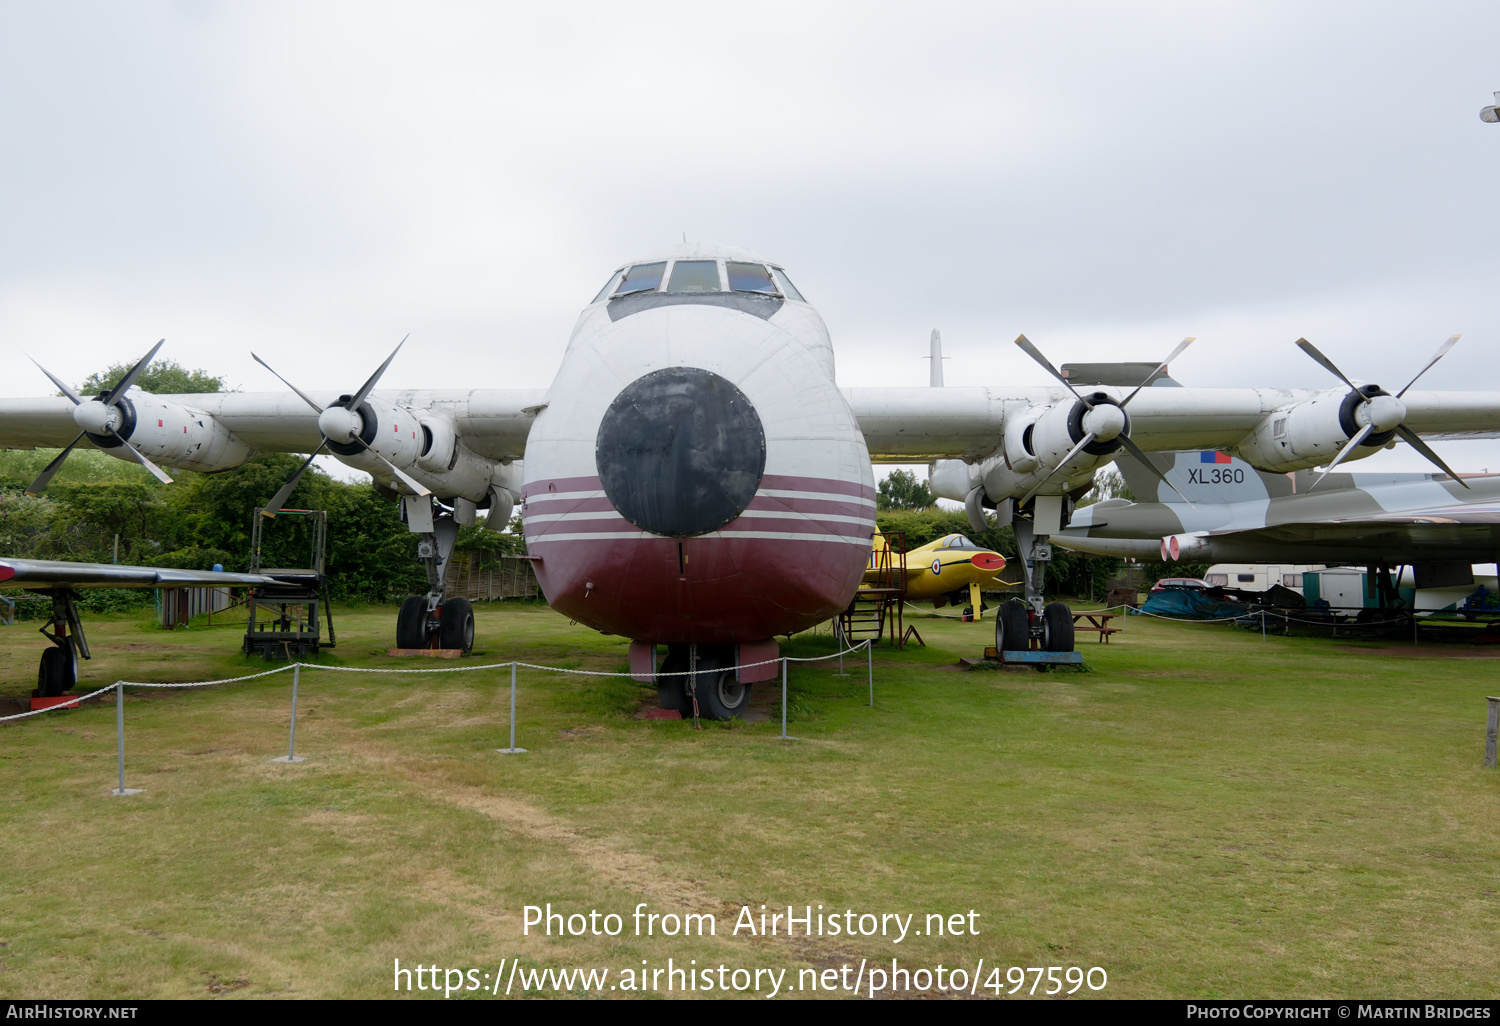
[170, 434]
[1312, 433]
[422, 443]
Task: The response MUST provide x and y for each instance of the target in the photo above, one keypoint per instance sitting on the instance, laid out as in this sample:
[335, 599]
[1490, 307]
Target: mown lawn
[1203, 814]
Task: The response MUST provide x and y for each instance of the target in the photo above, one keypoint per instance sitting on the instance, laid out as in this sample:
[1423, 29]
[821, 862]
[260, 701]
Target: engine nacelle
[424, 445]
[170, 434]
[1311, 433]
[1181, 546]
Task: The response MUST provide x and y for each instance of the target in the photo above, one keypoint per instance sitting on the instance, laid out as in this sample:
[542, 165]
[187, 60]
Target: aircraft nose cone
[989, 561]
[680, 452]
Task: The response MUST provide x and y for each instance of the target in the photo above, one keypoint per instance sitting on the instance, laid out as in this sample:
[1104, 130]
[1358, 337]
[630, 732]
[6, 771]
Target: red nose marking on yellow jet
[989, 561]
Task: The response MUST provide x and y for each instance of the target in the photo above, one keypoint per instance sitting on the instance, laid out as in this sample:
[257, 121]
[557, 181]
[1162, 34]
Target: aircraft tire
[411, 623]
[721, 696]
[57, 673]
[1012, 627]
[456, 627]
[1057, 627]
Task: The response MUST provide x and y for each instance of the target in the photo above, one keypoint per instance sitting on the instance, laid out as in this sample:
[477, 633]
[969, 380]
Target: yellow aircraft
[949, 569]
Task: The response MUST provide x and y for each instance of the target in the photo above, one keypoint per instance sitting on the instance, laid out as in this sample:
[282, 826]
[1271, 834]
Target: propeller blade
[77, 400]
[287, 383]
[1359, 436]
[1036, 354]
[1442, 352]
[128, 380]
[1161, 367]
[51, 468]
[415, 486]
[360, 396]
[141, 459]
[1415, 441]
[1140, 455]
[279, 499]
[1312, 350]
[1063, 463]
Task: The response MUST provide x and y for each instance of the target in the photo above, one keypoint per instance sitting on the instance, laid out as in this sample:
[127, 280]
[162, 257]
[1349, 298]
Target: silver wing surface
[492, 422]
[916, 424]
[42, 574]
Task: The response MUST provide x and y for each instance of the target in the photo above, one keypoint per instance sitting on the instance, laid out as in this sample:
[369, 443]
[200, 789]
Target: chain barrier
[73, 702]
[69, 704]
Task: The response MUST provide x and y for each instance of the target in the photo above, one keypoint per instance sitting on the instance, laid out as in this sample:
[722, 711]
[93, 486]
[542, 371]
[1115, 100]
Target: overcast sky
[315, 180]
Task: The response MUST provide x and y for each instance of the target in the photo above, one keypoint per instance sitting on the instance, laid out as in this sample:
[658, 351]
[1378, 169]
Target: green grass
[1203, 814]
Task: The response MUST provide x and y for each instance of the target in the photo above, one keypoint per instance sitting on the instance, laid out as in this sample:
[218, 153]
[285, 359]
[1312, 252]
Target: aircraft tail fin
[1202, 477]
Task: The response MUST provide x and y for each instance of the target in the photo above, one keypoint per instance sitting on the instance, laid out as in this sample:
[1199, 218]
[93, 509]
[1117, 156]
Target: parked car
[1182, 584]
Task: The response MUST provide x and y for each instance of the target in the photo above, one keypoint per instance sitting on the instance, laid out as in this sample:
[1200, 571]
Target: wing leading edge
[42, 574]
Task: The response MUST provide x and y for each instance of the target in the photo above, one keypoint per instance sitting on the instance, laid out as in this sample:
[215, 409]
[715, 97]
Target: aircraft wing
[917, 424]
[42, 574]
[493, 422]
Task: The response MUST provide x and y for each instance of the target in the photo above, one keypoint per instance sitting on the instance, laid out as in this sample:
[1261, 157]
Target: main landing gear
[434, 620]
[1020, 622]
[703, 672]
[58, 671]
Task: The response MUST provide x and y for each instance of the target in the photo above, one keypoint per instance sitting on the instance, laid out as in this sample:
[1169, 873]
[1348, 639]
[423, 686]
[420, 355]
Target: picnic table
[1097, 622]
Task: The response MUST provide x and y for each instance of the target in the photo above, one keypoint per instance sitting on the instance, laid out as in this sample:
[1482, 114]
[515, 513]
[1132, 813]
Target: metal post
[784, 735]
[870, 665]
[1262, 625]
[1491, 730]
[291, 745]
[512, 750]
[120, 740]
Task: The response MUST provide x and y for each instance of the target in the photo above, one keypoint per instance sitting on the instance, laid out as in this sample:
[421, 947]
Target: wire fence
[118, 687]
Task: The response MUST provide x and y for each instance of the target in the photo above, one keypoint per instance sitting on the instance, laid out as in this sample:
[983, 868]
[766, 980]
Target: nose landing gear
[707, 674]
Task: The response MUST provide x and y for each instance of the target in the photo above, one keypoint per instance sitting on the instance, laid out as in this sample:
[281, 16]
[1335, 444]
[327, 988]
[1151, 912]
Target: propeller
[1103, 420]
[1384, 414]
[341, 423]
[99, 417]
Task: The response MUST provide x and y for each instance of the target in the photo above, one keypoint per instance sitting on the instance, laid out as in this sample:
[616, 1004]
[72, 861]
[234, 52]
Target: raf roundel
[681, 452]
[937, 566]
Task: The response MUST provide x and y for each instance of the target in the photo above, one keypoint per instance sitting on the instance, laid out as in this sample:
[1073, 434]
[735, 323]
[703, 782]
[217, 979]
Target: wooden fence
[480, 577]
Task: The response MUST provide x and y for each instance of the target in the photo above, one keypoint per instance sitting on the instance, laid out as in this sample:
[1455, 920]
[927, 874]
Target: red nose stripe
[6, 573]
[989, 561]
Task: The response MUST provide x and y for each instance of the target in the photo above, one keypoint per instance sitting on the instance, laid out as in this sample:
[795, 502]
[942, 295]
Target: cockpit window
[787, 288]
[694, 276]
[749, 278]
[642, 278]
[609, 289]
[958, 541]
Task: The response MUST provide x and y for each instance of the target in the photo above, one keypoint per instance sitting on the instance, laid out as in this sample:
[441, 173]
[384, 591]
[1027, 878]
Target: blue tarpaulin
[1191, 605]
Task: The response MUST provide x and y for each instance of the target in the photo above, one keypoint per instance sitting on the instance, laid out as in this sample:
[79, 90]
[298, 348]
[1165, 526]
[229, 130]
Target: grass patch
[1204, 814]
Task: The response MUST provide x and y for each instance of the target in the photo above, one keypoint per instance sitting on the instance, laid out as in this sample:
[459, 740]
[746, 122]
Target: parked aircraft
[1240, 515]
[695, 477]
[58, 670]
[948, 569]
